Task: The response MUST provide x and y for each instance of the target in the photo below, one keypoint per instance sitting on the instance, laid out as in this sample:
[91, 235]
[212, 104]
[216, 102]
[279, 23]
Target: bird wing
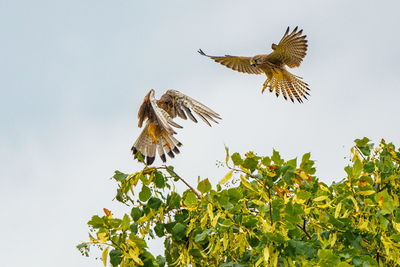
[291, 49]
[151, 111]
[241, 64]
[183, 106]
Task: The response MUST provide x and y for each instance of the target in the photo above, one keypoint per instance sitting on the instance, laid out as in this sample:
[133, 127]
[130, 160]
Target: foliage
[265, 212]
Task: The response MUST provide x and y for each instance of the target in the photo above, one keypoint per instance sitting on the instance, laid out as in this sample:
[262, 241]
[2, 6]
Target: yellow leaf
[134, 254]
[244, 169]
[324, 206]
[355, 203]
[104, 256]
[258, 202]
[225, 241]
[102, 237]
[366, 192]
[266, 254]
[203, 221]
[338, 208]
[396, 226]
[245, 183]
[210, 211]
[320, 198]
[215, 220]
[303, 175]
[363, 225]
[226, 178]
[323, 188]
[333, 240]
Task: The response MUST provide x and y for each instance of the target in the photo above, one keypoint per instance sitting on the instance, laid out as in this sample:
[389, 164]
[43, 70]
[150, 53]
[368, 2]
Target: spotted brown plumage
[157, 134]
[290, 52]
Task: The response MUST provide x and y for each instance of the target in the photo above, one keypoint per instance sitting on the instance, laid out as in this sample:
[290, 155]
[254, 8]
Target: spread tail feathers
[165, 143]
[289, 84]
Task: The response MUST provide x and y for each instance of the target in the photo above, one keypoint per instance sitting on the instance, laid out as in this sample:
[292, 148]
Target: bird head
[254, 61]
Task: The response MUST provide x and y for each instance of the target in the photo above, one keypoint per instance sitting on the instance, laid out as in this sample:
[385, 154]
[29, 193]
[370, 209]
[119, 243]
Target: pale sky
[74, 73]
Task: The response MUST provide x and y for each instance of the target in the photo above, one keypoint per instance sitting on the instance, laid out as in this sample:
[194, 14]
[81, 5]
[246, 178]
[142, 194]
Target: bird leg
[152, 132]
[265, 85]
[164, 135]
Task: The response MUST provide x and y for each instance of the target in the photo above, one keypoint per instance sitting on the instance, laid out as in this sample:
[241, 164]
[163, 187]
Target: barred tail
[165, 143]
[289, 84]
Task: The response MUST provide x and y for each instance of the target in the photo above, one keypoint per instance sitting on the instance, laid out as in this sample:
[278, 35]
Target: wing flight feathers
[188, 104]
[241, 64]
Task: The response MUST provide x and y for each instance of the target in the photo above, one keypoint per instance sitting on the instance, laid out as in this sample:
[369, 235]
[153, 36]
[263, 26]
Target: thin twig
[270, 205]
[180, 178]
[304, 230]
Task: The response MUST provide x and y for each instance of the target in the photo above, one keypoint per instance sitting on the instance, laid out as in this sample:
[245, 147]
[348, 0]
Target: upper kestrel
[158, 133]
[289, 52]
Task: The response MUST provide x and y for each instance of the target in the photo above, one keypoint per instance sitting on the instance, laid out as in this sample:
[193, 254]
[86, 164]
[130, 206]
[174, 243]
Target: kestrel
[158, 133]
[289, 52]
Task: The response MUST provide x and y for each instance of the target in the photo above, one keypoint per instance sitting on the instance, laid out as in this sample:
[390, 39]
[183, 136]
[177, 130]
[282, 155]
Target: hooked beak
[252, 63]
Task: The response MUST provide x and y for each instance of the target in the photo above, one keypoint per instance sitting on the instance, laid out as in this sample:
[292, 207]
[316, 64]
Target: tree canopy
[265, 211]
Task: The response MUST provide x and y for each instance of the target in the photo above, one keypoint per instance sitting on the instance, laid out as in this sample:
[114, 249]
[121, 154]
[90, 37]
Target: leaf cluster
[265, 211]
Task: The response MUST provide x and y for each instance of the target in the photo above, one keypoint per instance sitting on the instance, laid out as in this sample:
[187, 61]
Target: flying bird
[289, 52]
[157, 134]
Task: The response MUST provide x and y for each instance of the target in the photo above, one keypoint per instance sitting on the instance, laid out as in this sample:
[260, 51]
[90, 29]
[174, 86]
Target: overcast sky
[74, 73]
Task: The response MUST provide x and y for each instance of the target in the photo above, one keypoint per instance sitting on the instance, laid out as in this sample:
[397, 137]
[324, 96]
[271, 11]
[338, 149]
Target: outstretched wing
[157, 135]
[155, 114]
[291, 49]
[241, 64]
[183, 106]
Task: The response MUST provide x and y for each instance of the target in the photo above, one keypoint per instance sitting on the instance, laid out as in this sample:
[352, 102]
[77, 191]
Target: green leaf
[115, 257]
[307, 164]
[369, 167]
[293, 212]
[119, 176]
[327, 258]
[190, 199]
[237, 160]
[276, 158]
[250, 164]
[362, 142]
[204, 186]
[203, 235]
[173, 200]
[115, 222]
[344, 264]
[357, 168]
[292, 163]
[96, 221]
[136, 214]
[363, 145]
[145, 194]
[158, 179]
[159, 229]
[154, 203]
[178, 231]
[138, 241]
[304, 195]
[125, 222]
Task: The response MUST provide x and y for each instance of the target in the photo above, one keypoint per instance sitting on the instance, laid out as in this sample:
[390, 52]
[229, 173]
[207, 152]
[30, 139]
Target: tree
[265, 212]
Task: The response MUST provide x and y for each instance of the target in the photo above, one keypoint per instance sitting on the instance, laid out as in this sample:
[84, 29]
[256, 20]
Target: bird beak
[252, 63]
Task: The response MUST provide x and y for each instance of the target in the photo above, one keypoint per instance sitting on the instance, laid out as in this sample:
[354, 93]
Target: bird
[158, 134]
[290, 52]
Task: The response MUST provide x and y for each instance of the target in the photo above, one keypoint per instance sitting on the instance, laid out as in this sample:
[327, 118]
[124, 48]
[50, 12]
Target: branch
[180, 178]
[270, 205]
[304, 230]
